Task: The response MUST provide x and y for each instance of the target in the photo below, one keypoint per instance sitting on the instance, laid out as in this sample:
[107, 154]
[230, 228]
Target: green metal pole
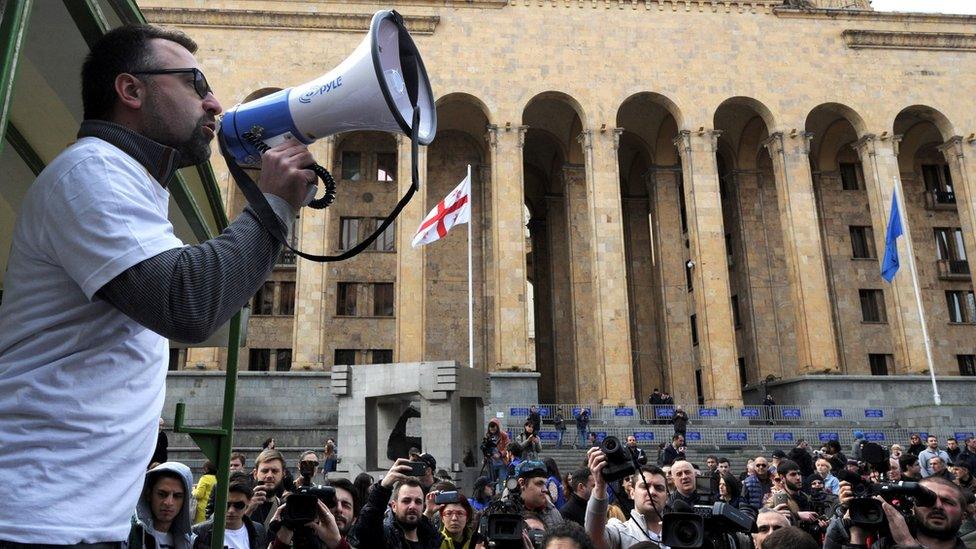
[227, 426]
[13, 30]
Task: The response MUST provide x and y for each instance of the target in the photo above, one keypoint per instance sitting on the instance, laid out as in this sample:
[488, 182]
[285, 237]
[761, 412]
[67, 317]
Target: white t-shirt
[164, 540]
[237, 539]
[81, 384]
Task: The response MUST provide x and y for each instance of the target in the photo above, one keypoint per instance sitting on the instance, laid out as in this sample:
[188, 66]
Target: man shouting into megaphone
[97, 281]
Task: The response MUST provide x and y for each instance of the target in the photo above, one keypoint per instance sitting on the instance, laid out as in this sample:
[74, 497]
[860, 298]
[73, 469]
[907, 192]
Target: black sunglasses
[239, 505]
[200, 84]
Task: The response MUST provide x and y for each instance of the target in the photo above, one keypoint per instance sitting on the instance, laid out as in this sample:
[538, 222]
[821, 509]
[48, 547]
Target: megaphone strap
[269, 220]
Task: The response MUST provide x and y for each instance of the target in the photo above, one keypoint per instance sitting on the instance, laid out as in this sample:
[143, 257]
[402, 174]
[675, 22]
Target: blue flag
[889, 265]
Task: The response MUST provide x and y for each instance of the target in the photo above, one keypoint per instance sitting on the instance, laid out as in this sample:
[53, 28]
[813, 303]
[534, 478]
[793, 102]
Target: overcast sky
[941, 6]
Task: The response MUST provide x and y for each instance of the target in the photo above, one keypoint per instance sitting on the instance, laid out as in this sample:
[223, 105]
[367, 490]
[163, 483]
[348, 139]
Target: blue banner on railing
[644, 436]
[824, 437]
[692, 435]
[874, 436]
[923, 435]
[515, 412]
[962, 436]
[782, 437]
[549, 436]
[664, 412]
[576, 411]
[749, 412]
[791, 413]
[873, 412]
[544, 412]
[623, 412]
[736, 436]
[708, 412]
[833, 412]
[600, 435]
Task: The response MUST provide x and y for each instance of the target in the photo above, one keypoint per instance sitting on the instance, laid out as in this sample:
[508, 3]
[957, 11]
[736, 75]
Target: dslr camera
[620, 461]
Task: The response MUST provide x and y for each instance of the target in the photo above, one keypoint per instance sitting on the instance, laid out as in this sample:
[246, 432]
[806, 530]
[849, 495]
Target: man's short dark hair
[711, 457]
[240, 488]
[786, 466]
[239, 456]
[568, 530]
[789, 537]
[676, 437]
[347, 485]
[122, 50]
[906, 461]
[409, 481]
[724, 460]
[833, 445]
[514, 448]
[579, 476]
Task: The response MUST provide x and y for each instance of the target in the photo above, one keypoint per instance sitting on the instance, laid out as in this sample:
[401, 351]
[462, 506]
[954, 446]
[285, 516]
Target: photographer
[559, 423]
[405, 526]
[644, 523]
[528, 439]
[582, 425]
[493, 447]
[347, 505]
[324, 530]
[935, 527]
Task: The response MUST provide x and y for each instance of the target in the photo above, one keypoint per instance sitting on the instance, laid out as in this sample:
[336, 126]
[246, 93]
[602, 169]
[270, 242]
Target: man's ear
[130, 90]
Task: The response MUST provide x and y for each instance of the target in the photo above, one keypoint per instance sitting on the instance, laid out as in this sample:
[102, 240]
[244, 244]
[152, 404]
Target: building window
[286, 298]
[682, 209]
[283, 360]
[728, 249]
[938, 183]
[862, 242]
[736, 319]
[346, 298]
[386, 242]
[872, 306]
[881, 364]
[851, 176]
[383, 299]
[694, 329]
[345, 356]
[382, 356]
[949, 244]
[962, 307]
[264, 300]
[743, 378]
[352, 169]
[177, 359]
[259, 360]
[354, 229]
[386, 166]
[689, 280]
[967, 365]
[699, 388]
[349, 228]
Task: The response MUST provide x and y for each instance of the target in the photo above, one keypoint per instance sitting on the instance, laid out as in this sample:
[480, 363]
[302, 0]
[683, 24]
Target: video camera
[502, 524]
[865, 511]
[716, 526]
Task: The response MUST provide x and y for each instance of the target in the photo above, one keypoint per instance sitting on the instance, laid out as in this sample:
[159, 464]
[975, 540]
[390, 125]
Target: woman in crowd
[201, 492]
[729, 489]
[330, 458]
[528, 439]
[554, 484]
[458, 521]
[915, 445]
[482, 493]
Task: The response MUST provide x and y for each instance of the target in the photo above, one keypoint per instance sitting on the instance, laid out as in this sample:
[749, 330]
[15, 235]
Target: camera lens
[686, 532]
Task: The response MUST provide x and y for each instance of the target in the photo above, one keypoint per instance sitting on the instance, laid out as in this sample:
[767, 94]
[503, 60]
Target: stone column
[579, 267]
[879, 158]
[669, 243]
[609, 271]
[963, 171]
[706, 231]
[410, 287]
[561, 300]
[511, 341]
[816, 347]
[311, 278]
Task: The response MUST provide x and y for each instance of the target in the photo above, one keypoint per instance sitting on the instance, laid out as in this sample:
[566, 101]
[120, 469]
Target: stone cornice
[435, 3]
[901, 40]
[264, 19]
[871, 15]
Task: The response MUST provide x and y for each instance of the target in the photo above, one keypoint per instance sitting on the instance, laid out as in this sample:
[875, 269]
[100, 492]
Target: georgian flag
[454, 209]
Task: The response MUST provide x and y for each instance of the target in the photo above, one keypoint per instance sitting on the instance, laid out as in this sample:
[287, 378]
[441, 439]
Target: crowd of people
[797, 498]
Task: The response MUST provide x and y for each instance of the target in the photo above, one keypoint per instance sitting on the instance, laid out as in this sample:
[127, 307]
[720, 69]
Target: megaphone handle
[330, 184]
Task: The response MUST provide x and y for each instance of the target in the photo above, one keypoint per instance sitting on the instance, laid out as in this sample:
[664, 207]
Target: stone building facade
[686, 194]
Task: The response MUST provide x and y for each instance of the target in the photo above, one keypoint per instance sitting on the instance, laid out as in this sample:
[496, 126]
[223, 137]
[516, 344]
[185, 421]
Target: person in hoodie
[165, 509]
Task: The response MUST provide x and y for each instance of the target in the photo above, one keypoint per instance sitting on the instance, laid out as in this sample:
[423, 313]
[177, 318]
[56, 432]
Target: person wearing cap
[427, 480]
[856, 445]
[962, 470]
[778, 456]
[531, 490]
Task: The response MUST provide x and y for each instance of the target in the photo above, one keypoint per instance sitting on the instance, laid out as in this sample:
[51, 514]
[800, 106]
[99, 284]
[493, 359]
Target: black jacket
[670, 454]
[804, 459]
[374, 529]
[255, 534]
[574, 509]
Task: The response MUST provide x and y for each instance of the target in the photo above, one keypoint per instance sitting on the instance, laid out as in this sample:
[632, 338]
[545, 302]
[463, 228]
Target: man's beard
[408, 526]
[946, 532]
[194, 149]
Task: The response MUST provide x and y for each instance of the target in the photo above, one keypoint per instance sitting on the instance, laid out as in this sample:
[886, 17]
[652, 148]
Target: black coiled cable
[330, 184]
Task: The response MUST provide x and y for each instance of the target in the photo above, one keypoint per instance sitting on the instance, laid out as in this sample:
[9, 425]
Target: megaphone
[375, 88]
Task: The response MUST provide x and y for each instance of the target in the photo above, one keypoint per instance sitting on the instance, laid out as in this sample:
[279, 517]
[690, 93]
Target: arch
[466, 114]
[654, 98]
[467, 98]
[559, 97]
[826, 113]
[750, 103]
[911, 115]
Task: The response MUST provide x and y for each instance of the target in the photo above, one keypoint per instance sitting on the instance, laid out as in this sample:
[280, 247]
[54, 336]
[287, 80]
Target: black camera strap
[269, 220]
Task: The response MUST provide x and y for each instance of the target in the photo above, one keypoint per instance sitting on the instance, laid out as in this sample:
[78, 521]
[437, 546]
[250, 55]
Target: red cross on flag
[454, 209]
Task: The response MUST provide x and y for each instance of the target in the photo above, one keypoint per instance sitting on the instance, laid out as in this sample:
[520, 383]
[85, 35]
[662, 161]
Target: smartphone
[446, 497]
[417, 468]
[780, 498]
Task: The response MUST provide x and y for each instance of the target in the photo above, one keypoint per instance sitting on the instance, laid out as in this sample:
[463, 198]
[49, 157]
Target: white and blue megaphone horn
[375, 88]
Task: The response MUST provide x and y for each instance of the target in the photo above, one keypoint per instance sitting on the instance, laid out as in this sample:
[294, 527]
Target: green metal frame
[13, 29]
[215, 443]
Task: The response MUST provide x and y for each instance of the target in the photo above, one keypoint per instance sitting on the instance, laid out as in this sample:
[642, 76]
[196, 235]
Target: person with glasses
[98, 281]
[458, 520]
[757, 485]
[240, 531]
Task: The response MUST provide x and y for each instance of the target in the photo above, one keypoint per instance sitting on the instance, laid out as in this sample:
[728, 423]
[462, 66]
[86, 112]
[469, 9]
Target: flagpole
[470, 281]
[900, 198]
